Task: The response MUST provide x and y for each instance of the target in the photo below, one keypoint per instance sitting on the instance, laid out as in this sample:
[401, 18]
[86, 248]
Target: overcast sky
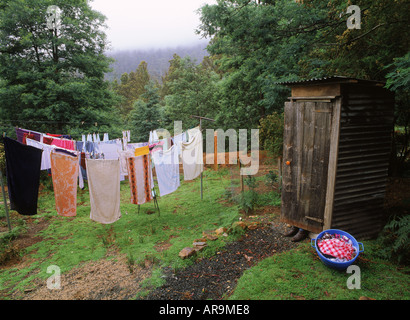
[135, 24]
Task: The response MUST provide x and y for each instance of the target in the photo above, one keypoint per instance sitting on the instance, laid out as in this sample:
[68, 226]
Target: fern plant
[396, 239]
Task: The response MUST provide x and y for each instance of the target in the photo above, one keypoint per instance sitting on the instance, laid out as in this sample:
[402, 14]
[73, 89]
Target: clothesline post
[200, 129]
[5, 201]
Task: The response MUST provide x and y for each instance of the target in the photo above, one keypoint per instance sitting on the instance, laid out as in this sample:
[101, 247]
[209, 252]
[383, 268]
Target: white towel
[45, 158]
[167, 170]
[192, 157]
[104, 187]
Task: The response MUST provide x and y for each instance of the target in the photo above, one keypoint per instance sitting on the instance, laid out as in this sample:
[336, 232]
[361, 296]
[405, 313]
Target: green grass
[68, 242]
[296, 274]
[300, 275]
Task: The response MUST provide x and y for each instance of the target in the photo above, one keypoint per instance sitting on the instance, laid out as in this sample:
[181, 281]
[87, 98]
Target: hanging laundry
[79, 145]
[35, 135]
[156, 146]
[23, 165]
[109, 150]
[45, 158]
[64, 143]
[192, 157]
[167, 170]
[153, 137]
[140, 179]
[64, 171]
[123, 155]
[133, 146]
[178, 139]
[141, 151]
[47, 140]
[192, 132]
[104, 186]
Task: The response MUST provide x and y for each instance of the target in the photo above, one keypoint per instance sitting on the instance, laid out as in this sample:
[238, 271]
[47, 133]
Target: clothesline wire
[54, 121]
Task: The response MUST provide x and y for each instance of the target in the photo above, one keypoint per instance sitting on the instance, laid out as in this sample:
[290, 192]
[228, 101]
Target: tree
[256, 44]
[191, 90]
[131, 87]
[52, 76]
[145, 115]
[398, 80]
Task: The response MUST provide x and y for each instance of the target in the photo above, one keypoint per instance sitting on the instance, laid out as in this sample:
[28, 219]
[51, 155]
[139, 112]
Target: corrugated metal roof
[331, 79]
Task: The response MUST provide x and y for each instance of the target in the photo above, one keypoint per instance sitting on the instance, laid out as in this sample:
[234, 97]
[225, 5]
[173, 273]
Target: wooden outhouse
[336, 150]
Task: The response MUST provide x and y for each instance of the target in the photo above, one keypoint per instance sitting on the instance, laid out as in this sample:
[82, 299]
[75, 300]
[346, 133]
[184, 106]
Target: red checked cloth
[337, 248]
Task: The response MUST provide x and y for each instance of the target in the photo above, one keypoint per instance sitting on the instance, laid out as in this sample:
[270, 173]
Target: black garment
[23, 165]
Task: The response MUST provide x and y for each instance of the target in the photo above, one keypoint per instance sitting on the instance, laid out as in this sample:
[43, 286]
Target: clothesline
[103, 164]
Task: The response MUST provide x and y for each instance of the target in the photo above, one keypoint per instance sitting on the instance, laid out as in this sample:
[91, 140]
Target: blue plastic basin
[334, 264]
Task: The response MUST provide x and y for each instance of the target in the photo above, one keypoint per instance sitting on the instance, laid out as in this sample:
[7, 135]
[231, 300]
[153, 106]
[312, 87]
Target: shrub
[271, 133]
[395, 239]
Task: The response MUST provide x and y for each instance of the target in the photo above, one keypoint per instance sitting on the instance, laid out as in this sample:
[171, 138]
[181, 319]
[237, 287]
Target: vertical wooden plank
[333, 155]
[323, 113]
[287, 163]
[216, 151]
[306, 164]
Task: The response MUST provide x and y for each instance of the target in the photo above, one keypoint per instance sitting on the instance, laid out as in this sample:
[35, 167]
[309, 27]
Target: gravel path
[215, 278]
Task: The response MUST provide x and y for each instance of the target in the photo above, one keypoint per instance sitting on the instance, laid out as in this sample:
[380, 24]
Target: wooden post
[215, 151]
[280, 172]
[5, 200]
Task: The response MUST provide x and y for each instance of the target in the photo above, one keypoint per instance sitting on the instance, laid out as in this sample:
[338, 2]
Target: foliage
[271, 178]
[255, 50]
[398, 80]
[248, 199]
[2, 159]
[271, 133]
[189, 89]
[131, 87]
[53, 79]
[359, 53]
[395, 240]
[145, 115]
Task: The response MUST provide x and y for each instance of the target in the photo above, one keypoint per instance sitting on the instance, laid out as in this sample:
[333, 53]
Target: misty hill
[157, 59]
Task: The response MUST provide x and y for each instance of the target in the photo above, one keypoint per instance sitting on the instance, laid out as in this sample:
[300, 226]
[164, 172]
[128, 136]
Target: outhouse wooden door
[308, 132]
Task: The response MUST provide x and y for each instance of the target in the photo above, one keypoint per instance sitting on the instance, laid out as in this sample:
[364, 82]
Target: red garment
[28, 135]
[54, 135]
[337, 248]
[63, 143]
[47, 140]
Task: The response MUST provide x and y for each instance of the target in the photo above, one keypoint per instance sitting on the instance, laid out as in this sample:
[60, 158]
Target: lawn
[158, 238]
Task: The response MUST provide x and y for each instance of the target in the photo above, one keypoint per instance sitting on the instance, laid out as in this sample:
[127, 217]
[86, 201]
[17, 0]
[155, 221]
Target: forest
[61, 80]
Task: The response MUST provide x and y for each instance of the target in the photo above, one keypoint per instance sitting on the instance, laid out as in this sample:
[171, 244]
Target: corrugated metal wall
[363, 159]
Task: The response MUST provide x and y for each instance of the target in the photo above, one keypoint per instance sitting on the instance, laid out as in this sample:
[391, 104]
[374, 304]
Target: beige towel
[192, 156]
[104, 187]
